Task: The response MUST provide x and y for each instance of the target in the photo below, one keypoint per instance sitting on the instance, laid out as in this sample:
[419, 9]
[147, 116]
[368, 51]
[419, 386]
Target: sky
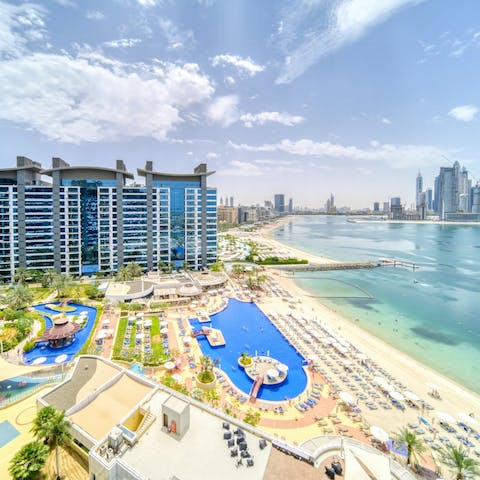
[301, 97]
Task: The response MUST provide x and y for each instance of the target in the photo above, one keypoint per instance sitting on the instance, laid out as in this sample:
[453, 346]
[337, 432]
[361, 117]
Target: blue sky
[302, 97]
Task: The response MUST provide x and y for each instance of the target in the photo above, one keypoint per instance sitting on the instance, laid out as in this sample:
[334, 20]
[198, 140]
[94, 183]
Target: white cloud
[122, 43]
[20, 25]
[330, 26]
[212, 155]
[82, 100]
[229, 81]
[283, 118]
[242, 64]
[94, 15]
[258, 168]
[148, 3]
[397, 156]
[177, 39]
[223, 110]
[464, 113]
[386, 121]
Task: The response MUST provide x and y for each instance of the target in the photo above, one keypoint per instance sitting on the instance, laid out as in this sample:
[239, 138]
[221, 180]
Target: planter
[206, 386]
[244, 365]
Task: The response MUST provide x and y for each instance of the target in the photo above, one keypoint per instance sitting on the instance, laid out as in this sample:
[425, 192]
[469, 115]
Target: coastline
[413, 373]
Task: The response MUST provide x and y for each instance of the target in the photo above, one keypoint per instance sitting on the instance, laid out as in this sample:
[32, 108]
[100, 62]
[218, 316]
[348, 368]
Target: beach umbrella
[177, 377]
[139, 323]
[164, 324]
[389, 388]
[445, 417]
[139, 336]
[147, 323]
[106, 321]
[347, 363]
[281, 367]
[61, 358]
[140, 314]
[379, 433]
[464, 417]
[272, 373]
[410, 396]
[433, 386]
[187, 339]
[362, 356]
[164, 331]
[380, 381]
[397, 396]
[347, 398]
[169, 365]
[312, 357]
[101, 334]
[131, 319]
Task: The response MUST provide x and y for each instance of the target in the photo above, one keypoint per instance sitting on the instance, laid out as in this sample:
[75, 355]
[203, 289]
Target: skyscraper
[376, 206]
[88, 219]
[290, 205]
[279, 202]
[429, 198]
[418, 189]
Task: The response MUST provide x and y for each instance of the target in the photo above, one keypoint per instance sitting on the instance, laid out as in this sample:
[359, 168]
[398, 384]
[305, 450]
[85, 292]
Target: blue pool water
[247, 329]
[7, 433]
[138, 369]
[81, 336]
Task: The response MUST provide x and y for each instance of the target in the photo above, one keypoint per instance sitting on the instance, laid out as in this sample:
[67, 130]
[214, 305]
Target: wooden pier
[319, 267]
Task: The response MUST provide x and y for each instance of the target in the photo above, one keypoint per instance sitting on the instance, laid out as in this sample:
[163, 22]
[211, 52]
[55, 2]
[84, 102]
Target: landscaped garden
[139, 339]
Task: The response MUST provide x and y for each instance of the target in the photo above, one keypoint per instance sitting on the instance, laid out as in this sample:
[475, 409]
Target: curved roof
[49, 171]
[143, 173]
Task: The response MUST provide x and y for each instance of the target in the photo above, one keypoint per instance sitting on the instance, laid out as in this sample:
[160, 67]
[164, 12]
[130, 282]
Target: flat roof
[110, 406]
[176, 404]
[89, 375]
[160, 455]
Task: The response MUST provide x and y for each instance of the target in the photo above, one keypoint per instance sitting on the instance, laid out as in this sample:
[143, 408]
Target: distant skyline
[300, 97]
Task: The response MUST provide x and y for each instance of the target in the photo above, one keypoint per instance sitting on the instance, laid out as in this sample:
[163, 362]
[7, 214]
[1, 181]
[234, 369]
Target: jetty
[319, 267]
[255, 388]
[391, 262]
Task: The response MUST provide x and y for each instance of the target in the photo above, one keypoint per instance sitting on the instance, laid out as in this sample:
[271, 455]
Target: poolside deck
[215, 338]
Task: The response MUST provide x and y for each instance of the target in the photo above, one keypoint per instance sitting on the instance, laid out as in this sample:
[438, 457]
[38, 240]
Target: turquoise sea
[432, 313]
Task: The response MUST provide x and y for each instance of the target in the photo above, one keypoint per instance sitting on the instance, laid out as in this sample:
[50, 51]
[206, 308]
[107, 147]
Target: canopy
[375, 464]
[379, 433]
[281, 367]
[397, 396]
[347, 398]
[410, 396]
[464, 417]
[272, 373]
[445, 417]
[353, 469]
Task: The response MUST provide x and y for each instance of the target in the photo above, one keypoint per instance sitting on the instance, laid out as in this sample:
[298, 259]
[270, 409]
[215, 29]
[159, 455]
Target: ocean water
[431, 313]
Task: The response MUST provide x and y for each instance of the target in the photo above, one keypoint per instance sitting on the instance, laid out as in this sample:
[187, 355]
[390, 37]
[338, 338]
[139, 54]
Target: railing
[17, 397]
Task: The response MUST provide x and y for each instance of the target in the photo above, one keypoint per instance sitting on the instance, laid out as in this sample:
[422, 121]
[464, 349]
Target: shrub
[29, 346]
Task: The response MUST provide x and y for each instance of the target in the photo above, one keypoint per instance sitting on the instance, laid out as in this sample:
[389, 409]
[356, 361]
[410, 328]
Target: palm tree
[28, 461]
[51, 426]
[415, 445]
[61, 284]
[458, 460]
[123, 275]
[134, 269]
[18, 297]
[48, 278]
[21, 275]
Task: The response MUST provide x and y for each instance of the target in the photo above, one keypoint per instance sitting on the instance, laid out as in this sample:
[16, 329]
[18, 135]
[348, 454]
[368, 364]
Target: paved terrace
[200, 453]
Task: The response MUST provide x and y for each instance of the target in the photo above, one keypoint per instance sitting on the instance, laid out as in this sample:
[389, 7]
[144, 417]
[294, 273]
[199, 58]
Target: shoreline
[412, 372]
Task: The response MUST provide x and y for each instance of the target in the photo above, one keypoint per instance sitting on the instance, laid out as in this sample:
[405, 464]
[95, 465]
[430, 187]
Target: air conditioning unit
[109, 454]
[102, 449]
[115, 439]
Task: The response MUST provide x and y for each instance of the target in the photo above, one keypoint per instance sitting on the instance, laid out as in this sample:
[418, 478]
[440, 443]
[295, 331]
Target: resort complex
[83, 220]
[234, 369]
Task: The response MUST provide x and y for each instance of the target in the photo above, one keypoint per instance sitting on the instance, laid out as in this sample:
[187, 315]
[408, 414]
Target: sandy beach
[415, 375]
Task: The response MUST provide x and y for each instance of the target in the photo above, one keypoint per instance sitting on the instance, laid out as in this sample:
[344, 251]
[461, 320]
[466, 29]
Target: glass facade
[79, 226]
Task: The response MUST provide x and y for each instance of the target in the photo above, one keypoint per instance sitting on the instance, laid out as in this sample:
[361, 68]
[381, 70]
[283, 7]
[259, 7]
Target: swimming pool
[247, 329]
[50, 354]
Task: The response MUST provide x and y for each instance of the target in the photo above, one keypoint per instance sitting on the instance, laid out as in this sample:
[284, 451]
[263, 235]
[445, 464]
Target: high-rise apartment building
[290, 205]
[376, 207]
[87, 219]
[279, 202]
[418, 189]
